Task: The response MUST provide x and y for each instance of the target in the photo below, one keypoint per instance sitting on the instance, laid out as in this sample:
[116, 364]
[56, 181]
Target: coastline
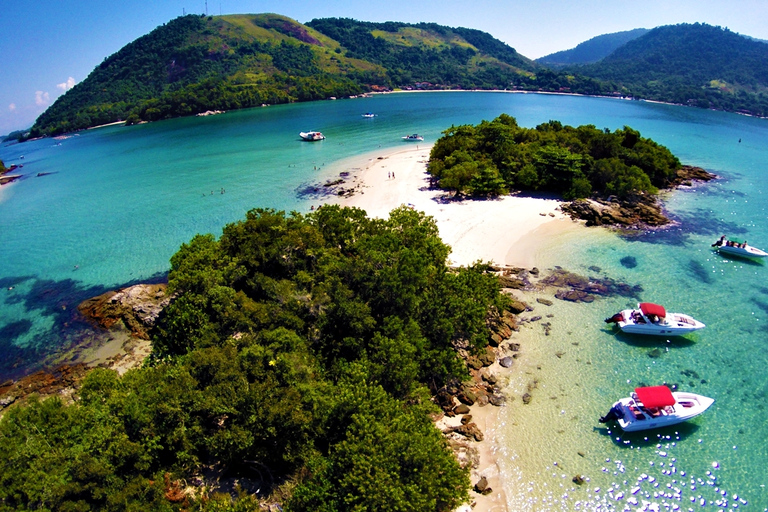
[512, 231]
[506, 231]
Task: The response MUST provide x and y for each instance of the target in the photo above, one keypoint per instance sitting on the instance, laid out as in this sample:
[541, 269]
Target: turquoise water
[119, 201]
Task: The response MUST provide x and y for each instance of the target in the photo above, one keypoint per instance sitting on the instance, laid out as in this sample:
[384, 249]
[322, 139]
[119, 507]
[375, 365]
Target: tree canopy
[298, 352]
[497, 156]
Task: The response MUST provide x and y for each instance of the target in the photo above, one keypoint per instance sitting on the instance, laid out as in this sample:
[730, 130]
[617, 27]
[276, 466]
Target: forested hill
[698, 65]
[193, 64]
[593, 49]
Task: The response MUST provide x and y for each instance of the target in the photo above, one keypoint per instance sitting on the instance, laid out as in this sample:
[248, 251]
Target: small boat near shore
[414, 137]
[656, 407]
[736, 247]
[653, 319]
[311, 136]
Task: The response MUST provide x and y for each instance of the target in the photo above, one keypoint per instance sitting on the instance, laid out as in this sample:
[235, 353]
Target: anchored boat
[656, 407]
[653, 319]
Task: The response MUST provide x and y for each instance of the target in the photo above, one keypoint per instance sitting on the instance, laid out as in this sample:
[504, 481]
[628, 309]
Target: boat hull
[676, 324]
[744, 252]
[687, 406]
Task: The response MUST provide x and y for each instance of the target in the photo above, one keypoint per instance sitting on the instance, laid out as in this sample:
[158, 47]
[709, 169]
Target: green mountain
[592, 50]
[698, 65]
[193, 64]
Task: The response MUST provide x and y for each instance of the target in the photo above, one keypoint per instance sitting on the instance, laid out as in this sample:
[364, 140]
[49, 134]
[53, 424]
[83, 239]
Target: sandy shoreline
[507, 231]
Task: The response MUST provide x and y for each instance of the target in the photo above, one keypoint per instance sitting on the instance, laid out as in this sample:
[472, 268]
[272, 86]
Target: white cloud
[12, 107]
[42, 98]
[70, 83]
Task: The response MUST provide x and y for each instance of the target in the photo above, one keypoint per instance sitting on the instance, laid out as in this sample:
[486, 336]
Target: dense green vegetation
[193, 64]
[592, 50]
[697, 65]
[427, 53]
[299, 353]
[495, 157]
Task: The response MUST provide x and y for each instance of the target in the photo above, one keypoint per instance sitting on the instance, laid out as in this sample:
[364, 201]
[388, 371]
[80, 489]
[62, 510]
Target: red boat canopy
[649, 308]
[655, 396]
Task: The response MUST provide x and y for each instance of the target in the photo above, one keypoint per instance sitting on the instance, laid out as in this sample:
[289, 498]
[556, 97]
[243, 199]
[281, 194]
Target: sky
[48, 46]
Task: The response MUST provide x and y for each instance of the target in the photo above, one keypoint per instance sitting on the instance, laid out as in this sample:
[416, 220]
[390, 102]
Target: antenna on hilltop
[206, 7]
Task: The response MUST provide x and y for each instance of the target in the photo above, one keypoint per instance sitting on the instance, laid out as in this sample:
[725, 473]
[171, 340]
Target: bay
[113, 204]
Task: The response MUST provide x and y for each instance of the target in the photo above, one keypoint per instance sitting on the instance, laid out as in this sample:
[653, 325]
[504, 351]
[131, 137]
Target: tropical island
[194, 64]
[307, 357]
[611, 177]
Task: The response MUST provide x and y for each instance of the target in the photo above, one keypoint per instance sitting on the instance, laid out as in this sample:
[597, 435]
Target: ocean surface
[108, 207]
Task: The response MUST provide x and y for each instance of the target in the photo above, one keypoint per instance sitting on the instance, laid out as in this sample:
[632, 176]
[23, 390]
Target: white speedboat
[311, 136]
[413, 137]
[653, 319]
[656, 407]
[736, 247]
[369, 114]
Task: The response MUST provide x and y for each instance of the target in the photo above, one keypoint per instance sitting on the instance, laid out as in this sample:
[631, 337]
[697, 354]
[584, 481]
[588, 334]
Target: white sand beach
[512, 230]
[506, 231]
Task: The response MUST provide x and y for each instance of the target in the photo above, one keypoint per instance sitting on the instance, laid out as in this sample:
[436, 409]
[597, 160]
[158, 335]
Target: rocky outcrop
[689, 174]
[639, 211]
[136, 307]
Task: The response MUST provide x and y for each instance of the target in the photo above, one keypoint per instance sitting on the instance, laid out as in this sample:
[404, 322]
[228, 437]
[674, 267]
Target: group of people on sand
[729, 243]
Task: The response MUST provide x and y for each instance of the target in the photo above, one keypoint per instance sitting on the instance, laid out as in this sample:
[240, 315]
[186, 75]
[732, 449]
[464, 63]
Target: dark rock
[461, 409]
[506, 362]
[655, 353]
[595, 268]
[574, 296]
[467, 397]
[527, 398]
[481, 485]
[534, 271]
[546, 302]
[497, 400]
[628, 262]
[490, 378]
[488, 357]
[466, 419]
[475, 363]
[513, 282]
[514, 347]
[578, 479]
[535, 318]
[518, 307]
[482, 400]
[470, 430]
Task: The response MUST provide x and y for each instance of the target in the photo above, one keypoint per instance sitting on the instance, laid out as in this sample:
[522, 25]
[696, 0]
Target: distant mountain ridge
[593, 49]
[692, 64]
[195, 63]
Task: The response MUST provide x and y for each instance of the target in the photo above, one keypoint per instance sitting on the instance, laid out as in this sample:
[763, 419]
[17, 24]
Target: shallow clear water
[119, 202]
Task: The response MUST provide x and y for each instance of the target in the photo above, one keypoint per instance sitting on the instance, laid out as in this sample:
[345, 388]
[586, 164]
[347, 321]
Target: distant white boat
[414, 137]
[311, 136]
[736, 247]
[656, 407]
[369, 114]
[653, 319]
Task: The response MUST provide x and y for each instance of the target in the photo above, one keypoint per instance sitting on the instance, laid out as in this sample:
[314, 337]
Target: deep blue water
[119, 201]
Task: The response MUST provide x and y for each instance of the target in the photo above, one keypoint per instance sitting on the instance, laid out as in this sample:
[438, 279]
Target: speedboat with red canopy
[656, 407]
[650, 318]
